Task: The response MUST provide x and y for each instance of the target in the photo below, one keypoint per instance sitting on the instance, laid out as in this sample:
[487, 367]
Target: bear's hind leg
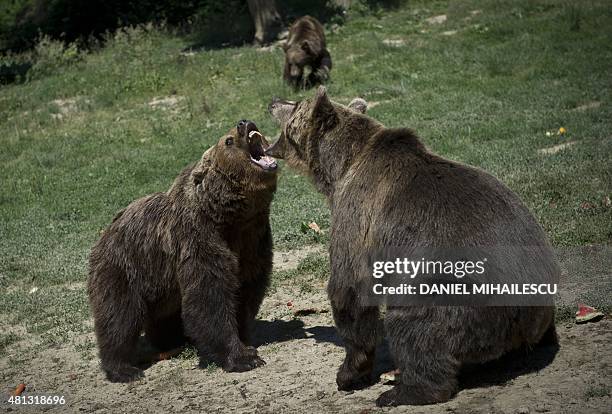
[118, 320]
[358, 328]
[209, 313]
[428, 371]
[251, 296]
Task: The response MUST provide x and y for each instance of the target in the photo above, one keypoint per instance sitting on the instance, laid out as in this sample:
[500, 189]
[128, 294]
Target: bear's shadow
[508, 367]
[497, 372]
[268, 332]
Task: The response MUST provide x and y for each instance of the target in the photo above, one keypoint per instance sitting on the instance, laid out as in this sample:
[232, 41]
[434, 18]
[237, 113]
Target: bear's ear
[359, 105]
[322, 107]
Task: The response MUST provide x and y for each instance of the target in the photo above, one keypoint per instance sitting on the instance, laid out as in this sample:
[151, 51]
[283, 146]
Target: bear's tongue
[266, 162]
[256, 152]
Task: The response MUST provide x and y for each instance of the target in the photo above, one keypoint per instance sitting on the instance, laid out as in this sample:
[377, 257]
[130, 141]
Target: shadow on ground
[508, 367]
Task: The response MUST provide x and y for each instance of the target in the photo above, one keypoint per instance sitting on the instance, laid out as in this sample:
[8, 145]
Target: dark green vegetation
[83, 137]
[22, 21]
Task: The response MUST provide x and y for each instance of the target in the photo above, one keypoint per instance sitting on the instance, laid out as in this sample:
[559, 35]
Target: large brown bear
[305, 47]
[194, 260]
[386, 189]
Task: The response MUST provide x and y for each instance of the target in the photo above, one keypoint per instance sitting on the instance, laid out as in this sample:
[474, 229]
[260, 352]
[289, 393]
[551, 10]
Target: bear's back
[307, 28]
[142, 238]
[431, 200]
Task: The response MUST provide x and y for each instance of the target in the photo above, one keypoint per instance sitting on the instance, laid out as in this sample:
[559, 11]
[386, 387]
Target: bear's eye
[229, 141]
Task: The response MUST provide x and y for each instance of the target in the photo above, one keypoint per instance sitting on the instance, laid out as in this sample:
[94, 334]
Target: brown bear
[386, 189]
[193, 261]
[305, 47]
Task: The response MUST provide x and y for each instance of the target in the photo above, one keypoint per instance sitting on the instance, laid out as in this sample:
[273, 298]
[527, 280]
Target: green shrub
[51, 55]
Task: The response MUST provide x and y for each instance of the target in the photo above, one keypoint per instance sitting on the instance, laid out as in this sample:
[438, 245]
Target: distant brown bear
[305, 47]
[386, 189]
[194, 260]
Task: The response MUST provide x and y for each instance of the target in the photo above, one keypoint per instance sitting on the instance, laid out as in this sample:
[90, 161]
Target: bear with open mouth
[190, 263]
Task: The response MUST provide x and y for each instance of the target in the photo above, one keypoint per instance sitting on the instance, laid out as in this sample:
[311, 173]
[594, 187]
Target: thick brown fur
[305, 46]
[386, 189]
[193, 261]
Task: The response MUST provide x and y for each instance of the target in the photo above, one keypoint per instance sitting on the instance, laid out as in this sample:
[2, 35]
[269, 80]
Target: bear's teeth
[252, 133]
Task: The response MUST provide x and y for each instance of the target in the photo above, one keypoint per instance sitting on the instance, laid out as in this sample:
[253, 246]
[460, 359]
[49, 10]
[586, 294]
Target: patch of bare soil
[296, 337]
[67, 107]
[436, 19]
[167, 103]
[587, 106]
[285, 260]
[556, 148]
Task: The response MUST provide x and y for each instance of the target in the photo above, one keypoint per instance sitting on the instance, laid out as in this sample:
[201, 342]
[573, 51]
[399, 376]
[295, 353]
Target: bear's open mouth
[257, 146]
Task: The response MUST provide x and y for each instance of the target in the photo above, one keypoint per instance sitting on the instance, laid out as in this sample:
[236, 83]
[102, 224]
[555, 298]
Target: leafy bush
[22, 21]
[50, 55]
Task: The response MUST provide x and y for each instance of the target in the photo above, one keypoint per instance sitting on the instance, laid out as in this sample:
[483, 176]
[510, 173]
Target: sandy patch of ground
[66, 107]
[167, 103]
[436, 19]
[285, 260]
[296, 337]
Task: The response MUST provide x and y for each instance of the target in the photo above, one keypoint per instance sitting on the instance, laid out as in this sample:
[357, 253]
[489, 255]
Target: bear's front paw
[245, 360]
[350, 379]
[123, 373]
[322, 74]
[402, 395]
[388, 399]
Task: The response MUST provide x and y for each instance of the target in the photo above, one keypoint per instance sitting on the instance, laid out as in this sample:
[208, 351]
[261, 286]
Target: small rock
[522, 410]
[436, 19]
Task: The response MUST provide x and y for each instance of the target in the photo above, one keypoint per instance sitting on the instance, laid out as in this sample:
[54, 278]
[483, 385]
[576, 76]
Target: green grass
[485, 95]
[600, 391]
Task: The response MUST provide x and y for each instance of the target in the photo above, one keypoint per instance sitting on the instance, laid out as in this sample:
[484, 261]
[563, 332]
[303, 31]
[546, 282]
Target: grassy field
[491, 86]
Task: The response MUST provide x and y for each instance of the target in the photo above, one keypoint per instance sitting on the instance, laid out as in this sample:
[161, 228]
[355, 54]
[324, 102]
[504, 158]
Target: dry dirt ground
[296, 337]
